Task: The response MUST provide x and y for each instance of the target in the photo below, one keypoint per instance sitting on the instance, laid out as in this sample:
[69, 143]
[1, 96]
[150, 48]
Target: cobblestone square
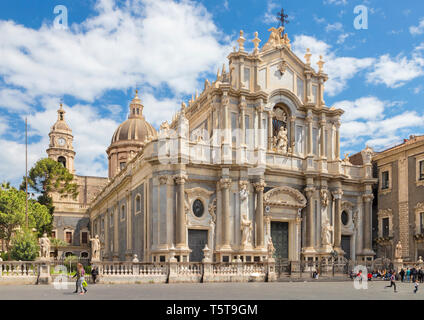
[218, 291]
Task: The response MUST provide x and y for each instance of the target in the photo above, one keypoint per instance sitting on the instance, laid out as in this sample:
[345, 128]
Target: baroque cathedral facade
[252, 162]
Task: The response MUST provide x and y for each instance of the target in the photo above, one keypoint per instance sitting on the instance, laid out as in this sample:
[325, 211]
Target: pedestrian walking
[416, 284]
[392, 281]
[94, 274]
[80, 284]
[402, 275]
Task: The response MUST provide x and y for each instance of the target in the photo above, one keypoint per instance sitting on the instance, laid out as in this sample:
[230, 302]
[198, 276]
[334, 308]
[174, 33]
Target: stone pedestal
[44, 276]
[272, 275]
[398, 264]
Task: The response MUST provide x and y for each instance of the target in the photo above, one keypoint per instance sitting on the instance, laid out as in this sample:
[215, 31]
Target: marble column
[259, 214]
[367, 244]
[106, 236]
[338, 220]
[292, 132]
[310, 142]
[337, 149]
[226, 231]
[310, 225]
[270, 137]
[116, 233]
[181, 242]
[129, 252]
[323, 153]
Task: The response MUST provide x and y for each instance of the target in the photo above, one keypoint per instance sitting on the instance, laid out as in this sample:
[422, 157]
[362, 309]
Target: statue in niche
[326, 233]
[281, 140]
[246, 228]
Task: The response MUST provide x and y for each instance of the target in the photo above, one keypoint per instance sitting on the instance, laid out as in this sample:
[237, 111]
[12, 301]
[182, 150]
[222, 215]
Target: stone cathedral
[251, 162]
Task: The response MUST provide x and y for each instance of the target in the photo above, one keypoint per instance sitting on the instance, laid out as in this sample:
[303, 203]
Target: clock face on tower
[61, 141]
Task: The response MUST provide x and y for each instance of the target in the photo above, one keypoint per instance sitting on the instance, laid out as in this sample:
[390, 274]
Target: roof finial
[256, 41]
[308, 56]
[320, 64]
[241, 41]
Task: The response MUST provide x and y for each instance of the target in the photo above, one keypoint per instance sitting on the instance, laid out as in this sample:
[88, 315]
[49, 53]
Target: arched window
[62, 161]
[345, 218]
[138, 203]
[122, 212]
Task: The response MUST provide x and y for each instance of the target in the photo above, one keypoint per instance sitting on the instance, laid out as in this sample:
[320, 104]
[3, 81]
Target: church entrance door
[346, 246]
[280, 239]
[197, 239]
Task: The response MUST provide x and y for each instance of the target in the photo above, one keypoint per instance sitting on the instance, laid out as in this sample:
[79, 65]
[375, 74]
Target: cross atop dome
[61, 113]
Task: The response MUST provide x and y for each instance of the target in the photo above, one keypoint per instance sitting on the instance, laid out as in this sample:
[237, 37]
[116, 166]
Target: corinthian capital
[368, 197]
[163, 179]
[337, 194]
[259, 186]
[309, 191]
[180, 178]
[225, 183]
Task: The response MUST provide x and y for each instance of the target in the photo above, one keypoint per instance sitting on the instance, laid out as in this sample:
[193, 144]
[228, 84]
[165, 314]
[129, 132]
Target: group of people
[81, 284]
[414, 275]
[411, 275]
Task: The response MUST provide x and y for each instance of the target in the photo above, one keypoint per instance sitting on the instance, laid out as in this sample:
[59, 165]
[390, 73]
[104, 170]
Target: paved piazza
[218, 291]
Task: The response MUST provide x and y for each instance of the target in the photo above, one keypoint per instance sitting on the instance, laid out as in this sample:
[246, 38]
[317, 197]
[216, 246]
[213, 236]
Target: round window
[345, 218]
[198, 208]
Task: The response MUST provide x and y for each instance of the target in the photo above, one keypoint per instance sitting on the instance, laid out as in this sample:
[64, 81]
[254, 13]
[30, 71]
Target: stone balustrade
[139, 272]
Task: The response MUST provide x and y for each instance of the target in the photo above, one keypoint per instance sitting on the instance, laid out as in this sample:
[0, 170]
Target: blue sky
[167, 48]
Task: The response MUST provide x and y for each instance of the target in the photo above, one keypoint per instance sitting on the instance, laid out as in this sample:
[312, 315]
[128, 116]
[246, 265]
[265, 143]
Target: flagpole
[26, 171]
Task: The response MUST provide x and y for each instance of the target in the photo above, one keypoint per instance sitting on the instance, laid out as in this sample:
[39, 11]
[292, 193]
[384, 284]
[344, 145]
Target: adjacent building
[400, 212]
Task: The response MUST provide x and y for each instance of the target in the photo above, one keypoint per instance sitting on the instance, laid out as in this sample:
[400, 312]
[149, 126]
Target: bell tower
[61, 138]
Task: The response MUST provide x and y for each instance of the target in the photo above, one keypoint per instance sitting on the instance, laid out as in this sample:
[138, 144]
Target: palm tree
[56, 243]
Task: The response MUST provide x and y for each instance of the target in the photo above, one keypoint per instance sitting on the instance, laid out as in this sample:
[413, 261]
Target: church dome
[60, 124]
[129, 138]
[135, 128]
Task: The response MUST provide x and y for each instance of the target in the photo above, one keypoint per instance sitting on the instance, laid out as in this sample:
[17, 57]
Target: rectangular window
[386, 227]
[300, 89]
[68, 237]
[122, 212]
[122, 165]
[421, 177]
[84, 237]
[299, 139]
[385, 180]
[315, 93]
[54, 234]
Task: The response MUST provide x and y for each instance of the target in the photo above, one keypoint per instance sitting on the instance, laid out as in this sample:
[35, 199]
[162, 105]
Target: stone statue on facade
[324, 198]
[398, 251]
[326, 233]
[281, 140]
[246, 231]
[95, 248]
[271, 248]
[44, 247]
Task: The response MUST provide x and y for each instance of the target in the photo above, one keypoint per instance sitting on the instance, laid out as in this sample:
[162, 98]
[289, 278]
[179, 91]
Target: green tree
[56, 243]
[12, 214]
[49, 176]
[24, 246]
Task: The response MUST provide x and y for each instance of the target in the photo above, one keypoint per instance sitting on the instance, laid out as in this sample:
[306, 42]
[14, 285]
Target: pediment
[285, 197]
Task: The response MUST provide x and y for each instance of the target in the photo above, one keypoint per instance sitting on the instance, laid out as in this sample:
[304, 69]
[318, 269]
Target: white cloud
[270, 16]
[336, 2]
[368, 108]
[339, 69]
[417, 30]
[15, 100]
[147, 42]
[334, 27]
[394, 72]
[367, 121]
